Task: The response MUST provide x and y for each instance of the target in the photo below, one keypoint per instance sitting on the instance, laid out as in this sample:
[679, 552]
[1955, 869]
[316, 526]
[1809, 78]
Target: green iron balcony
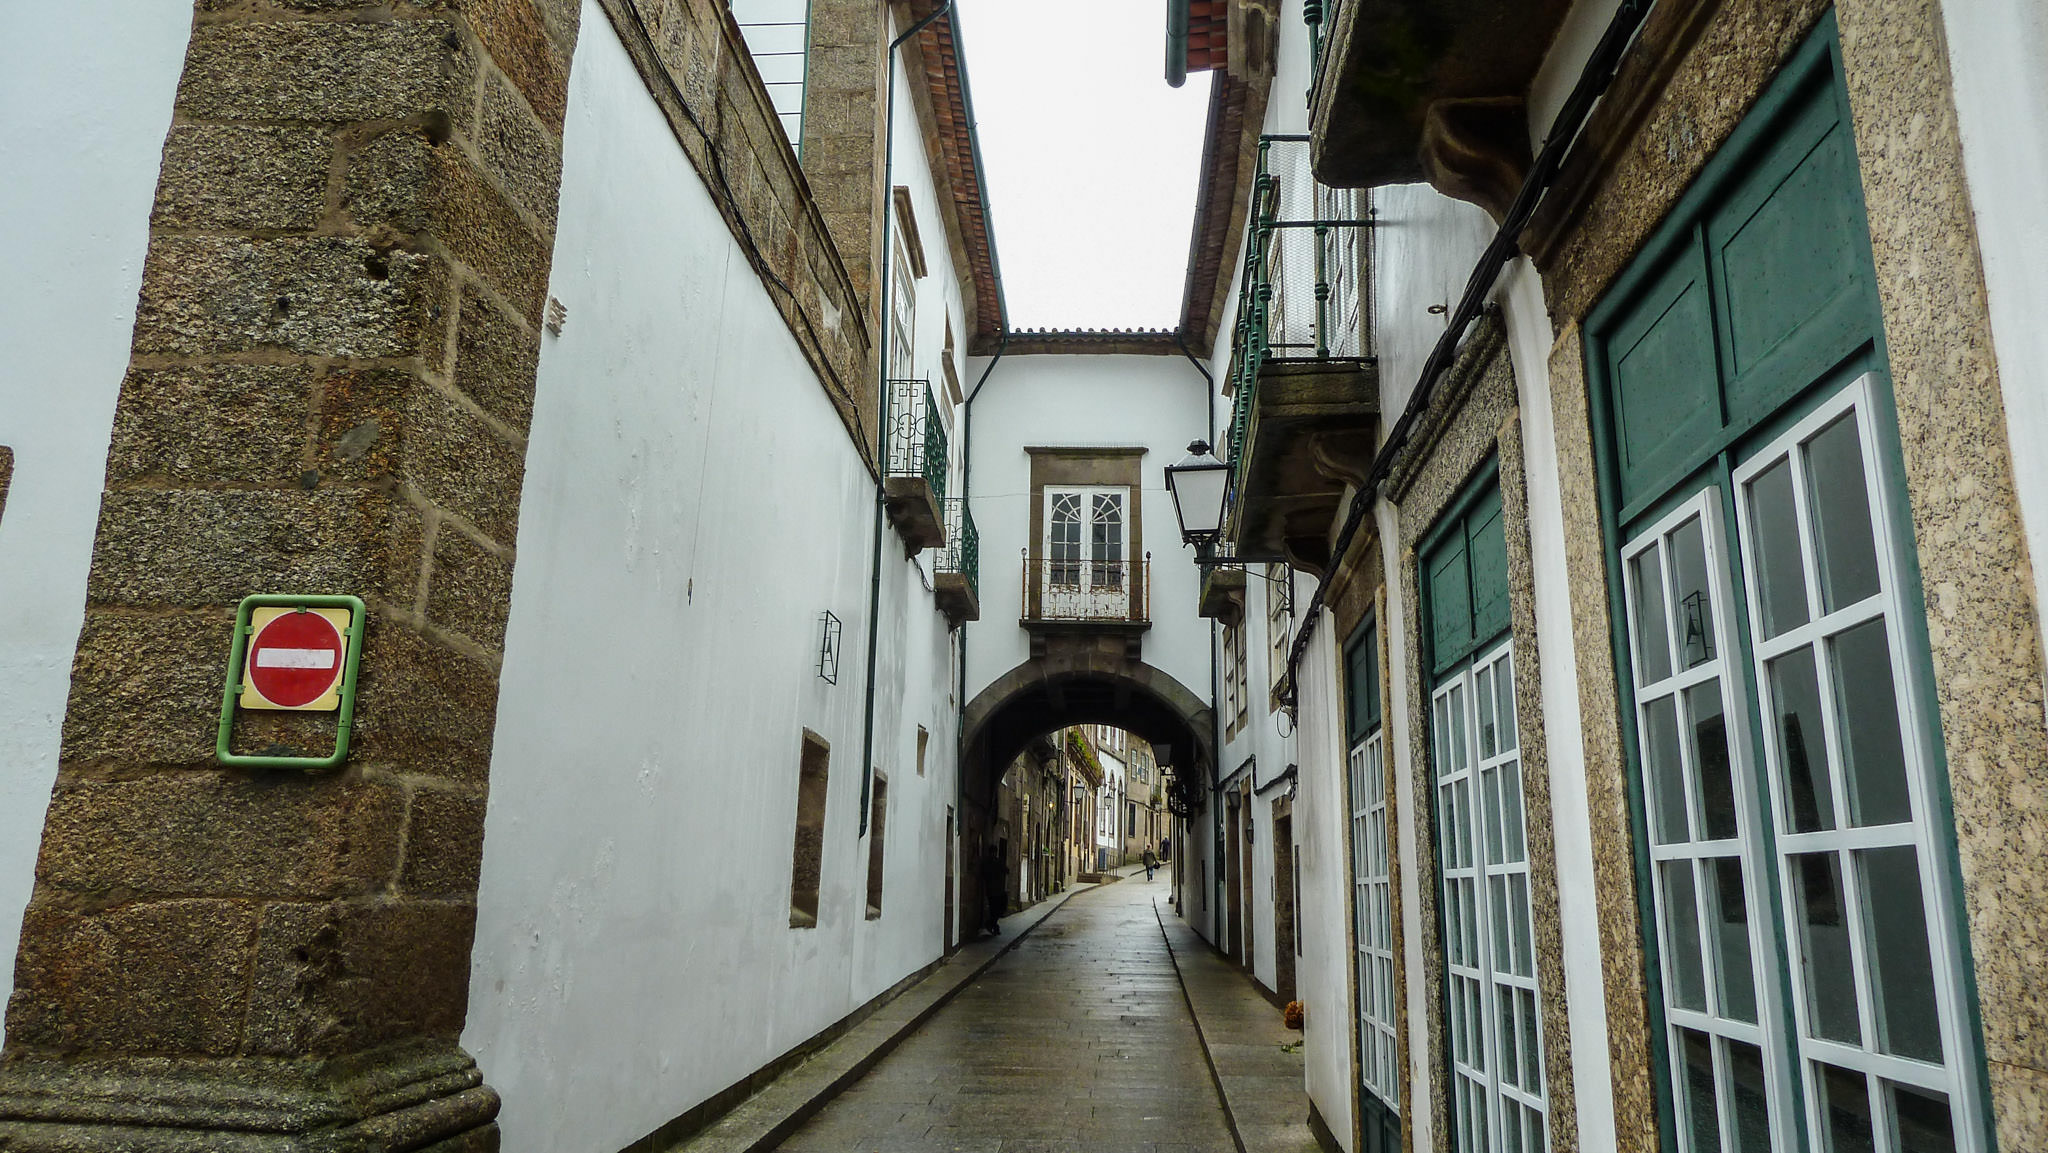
[915, 482]
[957, 579]
[1303, 378]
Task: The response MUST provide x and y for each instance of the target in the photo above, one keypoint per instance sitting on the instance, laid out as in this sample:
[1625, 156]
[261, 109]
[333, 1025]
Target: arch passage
[1043, 694]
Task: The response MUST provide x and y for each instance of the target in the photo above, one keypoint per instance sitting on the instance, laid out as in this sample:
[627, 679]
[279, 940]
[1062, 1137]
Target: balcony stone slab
[1312, 432]
[956, 598]
[1223, 595]
[914, 511]
[1415, 90]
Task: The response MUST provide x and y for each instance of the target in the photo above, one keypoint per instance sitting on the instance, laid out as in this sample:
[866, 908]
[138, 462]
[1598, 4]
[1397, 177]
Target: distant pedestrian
[995, 890]
[1151, 862]
[1166, 848]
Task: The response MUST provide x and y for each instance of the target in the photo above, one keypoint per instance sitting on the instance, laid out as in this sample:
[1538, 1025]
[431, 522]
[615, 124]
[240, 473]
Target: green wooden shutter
[1362, 680]
[1465, 577]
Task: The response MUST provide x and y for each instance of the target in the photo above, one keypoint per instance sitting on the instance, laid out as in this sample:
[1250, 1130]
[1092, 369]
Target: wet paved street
[1077, 1040]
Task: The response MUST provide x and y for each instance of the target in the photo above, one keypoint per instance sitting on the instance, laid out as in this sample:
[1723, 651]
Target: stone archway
[1083, 687]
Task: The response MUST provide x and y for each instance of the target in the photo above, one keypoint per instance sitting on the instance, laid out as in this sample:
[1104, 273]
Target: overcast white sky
[1090, 158]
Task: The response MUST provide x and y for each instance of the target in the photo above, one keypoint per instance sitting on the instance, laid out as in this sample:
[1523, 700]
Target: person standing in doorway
[995, 890]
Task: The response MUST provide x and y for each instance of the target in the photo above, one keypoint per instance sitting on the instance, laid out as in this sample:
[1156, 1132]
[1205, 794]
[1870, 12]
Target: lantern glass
[1198, 484]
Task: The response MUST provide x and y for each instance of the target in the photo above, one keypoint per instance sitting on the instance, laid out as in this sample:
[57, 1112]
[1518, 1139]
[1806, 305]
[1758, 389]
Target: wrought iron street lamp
[1198, 484]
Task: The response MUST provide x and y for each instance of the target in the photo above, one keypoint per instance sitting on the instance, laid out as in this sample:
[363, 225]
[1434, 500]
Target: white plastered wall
[1149, 402]
[90, 85]
[692, 506]
[1322, 810]
[1998, 56]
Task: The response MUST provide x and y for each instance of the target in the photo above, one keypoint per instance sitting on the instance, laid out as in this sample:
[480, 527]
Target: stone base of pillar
[426, 1098]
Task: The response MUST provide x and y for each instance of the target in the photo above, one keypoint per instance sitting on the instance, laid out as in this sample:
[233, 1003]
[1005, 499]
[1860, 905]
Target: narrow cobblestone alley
[1078, 1039]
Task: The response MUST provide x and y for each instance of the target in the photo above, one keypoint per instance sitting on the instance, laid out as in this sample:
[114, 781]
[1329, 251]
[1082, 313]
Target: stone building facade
[1669, 678]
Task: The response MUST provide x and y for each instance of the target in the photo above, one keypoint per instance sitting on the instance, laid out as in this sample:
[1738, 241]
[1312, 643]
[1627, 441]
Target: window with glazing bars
[1491, 1002]
[1806, 937]
[1372, 895]
[778, 38]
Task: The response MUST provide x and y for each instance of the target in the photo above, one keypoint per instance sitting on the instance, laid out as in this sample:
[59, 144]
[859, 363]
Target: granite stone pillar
[330, 386]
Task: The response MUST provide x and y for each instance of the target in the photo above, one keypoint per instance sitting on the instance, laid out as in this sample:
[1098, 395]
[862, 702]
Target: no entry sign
[296, 657]
[295, 653]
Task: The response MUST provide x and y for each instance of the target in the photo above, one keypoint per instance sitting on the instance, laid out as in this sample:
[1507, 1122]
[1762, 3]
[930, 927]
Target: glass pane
[1845, 1111]
[1532, 1124]
[1728, 919]
[1710, 760]
[1504, 692]
[1510, 1060]
[1694, 620]
[1802, 744]
[1532, 1053]
[1875, 758]
[1748, 1099]
[1484, 686]
[1462, 790]
[1456, 702]
[1491, 790]
[1653, 645]
[1901, 963]
[1824, 937]
[1703, 1114]
[1778, 563]
[1518, 906]
[1841, 510]
[1923, 1120]
[1682, 936]
[1666, 778]
[1441, 730]
[1475, 1025]
[1497, 885]
[1511, 812]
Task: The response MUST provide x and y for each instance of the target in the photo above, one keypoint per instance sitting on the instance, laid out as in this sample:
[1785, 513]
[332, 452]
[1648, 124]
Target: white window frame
[1695, 851]
[1372, 910]
[1956, 1077]
[1477, 986]
[902, 310]
[1279, 623]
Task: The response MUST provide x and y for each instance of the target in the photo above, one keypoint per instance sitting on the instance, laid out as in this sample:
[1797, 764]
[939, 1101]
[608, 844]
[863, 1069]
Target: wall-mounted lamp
[1198, 484]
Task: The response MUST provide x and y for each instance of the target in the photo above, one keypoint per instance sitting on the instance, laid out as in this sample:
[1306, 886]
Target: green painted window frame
[1477, 654]
[1828, 353]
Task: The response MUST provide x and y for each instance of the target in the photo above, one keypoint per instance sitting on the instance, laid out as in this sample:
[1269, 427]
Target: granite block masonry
[332, 370]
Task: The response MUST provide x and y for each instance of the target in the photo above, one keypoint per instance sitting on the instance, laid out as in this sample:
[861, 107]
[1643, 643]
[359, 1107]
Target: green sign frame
[238, 651]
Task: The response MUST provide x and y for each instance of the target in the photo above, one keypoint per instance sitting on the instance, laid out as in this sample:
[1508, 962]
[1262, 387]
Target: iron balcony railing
[1302, 297]
[1106, 591]
[917, 440]
[962, 551]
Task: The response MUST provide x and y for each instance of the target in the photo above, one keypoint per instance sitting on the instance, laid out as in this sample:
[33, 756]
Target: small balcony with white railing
[1078, 592]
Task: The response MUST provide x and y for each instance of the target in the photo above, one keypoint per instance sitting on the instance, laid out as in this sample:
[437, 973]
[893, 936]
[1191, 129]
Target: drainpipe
[867, 740]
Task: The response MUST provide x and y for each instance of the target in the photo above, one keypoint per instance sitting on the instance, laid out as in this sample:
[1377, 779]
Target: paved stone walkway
[1077, 1041]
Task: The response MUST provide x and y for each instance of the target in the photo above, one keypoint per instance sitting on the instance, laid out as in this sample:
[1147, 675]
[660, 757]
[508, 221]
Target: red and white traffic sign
[296, 659]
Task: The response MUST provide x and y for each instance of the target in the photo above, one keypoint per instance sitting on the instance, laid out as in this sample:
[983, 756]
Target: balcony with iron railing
[1082, 595]
[915, 457]
[1303, 379]
[956, 582]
